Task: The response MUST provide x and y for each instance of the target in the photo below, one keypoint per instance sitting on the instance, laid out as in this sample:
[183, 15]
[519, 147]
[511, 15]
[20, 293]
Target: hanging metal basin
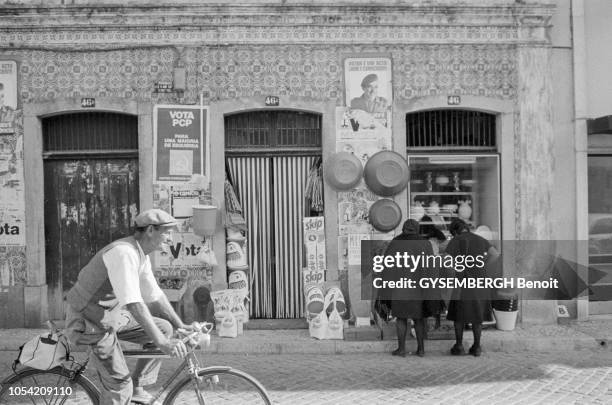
[343, 170]
[385, 215]
[386, 173]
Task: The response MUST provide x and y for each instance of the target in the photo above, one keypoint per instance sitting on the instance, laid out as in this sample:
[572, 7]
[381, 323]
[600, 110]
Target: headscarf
[457, 226]
[410, 227]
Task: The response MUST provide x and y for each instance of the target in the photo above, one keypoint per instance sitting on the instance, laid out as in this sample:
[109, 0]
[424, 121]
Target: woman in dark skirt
[469, 305]
[409, 302]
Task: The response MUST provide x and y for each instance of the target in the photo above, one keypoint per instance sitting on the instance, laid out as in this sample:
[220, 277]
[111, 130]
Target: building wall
[598, 57]
[495, 56]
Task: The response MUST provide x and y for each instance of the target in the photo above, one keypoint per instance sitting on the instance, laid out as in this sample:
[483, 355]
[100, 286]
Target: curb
[298, 342]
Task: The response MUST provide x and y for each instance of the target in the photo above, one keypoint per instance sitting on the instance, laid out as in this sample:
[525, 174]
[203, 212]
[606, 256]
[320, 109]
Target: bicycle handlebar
[200, 336]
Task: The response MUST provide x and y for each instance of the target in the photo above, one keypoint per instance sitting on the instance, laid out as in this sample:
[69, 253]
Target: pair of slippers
[316, 302]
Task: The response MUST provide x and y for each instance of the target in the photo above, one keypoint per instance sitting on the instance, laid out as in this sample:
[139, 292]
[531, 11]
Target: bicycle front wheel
[219, 385]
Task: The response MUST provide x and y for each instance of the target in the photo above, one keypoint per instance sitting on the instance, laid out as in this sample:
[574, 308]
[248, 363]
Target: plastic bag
[335, 326]
[207, 256]
[44, 352]
[317, 326]
[228, 327]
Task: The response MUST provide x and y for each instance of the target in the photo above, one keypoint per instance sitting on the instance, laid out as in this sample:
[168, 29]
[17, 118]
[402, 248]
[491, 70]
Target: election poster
[368, 92]
[180, 142]
[178, 266]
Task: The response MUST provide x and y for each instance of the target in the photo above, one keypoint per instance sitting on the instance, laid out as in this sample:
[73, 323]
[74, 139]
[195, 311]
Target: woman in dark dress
[408, 302]
[469, 305]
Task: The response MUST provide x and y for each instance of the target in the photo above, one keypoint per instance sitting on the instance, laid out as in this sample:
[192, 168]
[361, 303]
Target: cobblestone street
[579, 377]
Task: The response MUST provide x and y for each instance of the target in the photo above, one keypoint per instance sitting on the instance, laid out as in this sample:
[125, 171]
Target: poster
[342, 253]
[363, 149]
[353, 211]
[368, 90]
[12, 211]
[8, 96]
[355, 124]
[354, 248]
[180, 138]
[12, 266]
[176, 268]
[182, 201]
[314, 241]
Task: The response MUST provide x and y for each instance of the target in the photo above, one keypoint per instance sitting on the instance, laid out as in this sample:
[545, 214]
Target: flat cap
[155, 216]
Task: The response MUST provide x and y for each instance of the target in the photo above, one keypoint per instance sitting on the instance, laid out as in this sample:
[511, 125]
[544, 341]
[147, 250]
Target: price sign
[272, 101]
[88, 102]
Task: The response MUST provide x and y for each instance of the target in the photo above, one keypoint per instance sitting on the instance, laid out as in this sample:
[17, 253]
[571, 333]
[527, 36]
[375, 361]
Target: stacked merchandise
[324, 313]
[230, 305]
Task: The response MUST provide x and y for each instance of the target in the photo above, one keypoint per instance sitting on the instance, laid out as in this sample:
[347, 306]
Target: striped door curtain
[271, 190]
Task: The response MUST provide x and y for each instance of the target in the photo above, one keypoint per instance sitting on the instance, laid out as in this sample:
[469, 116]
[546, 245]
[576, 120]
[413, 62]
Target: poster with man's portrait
[368, 85]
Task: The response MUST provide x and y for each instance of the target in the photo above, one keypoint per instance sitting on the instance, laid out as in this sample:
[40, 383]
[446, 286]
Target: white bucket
[204, 220]
[506, 320]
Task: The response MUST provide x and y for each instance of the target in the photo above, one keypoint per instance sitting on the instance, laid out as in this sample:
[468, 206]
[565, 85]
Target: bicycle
[66, 384]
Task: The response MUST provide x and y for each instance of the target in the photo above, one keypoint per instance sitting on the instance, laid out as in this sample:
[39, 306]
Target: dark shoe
[457, 350]
[420, 352]
[475, 351]
[398, 352]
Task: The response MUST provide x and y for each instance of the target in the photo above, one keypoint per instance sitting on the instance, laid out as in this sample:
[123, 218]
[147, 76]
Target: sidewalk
[586, 335]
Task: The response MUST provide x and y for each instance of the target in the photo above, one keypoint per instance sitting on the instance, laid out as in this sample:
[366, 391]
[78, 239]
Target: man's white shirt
[132, 279]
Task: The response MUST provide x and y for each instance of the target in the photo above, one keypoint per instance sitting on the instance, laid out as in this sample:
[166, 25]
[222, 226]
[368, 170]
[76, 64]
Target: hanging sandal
[335, 300]
[314, 302]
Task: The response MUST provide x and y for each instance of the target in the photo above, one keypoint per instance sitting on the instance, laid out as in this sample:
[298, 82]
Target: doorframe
[35, 292]
[218, 111]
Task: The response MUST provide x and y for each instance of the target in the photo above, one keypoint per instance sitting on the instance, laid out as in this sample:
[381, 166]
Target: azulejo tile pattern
[226, 72]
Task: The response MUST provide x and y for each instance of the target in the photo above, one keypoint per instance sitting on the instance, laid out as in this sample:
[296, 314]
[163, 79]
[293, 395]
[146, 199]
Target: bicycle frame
[190, 363]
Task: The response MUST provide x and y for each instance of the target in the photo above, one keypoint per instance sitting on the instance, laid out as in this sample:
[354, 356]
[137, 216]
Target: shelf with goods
[442, 207]
[445, 187]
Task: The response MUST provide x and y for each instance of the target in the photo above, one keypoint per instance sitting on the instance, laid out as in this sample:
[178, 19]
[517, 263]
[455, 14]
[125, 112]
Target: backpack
[44, 352]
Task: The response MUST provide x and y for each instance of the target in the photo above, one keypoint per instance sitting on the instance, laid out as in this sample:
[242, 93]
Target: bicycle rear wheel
[54, 386]
[219, 385]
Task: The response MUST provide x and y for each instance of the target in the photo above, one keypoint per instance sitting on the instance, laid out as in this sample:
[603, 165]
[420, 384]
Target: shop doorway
[269, 157]
[600, 232]
[91, 192]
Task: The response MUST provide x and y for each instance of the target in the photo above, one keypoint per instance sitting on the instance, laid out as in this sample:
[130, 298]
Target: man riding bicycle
[122, 270]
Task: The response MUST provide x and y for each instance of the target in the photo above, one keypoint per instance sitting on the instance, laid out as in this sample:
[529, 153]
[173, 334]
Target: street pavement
[555, 377]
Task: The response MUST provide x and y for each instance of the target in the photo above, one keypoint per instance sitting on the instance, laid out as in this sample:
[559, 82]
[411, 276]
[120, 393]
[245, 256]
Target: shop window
[600, 227]
[272, 130]
[450, 129]
[443, 187]
[90, 131]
